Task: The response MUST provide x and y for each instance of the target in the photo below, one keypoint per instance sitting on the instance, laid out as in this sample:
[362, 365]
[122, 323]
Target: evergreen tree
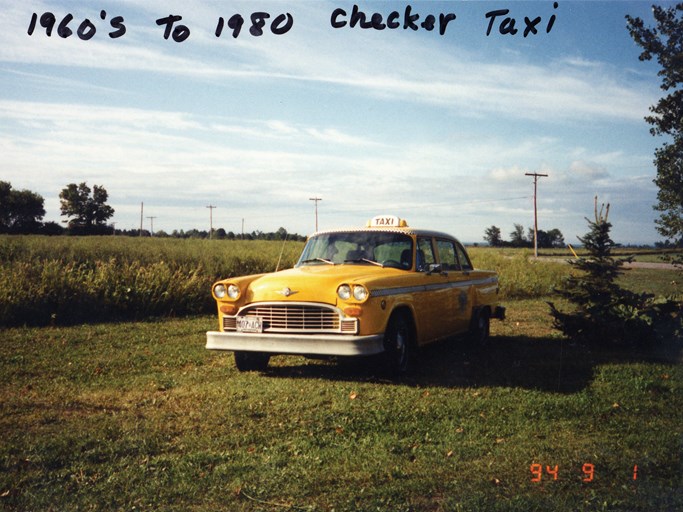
[603, 311]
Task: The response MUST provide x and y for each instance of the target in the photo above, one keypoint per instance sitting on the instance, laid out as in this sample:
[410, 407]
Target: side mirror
[433, 267]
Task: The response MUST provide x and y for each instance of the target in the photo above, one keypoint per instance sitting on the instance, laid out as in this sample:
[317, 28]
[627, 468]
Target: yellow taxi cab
[383, 289]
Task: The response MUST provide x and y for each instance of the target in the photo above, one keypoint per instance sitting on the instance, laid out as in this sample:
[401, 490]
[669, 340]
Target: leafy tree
[492, 236]
[51, 229]
[517, 237]
[665, 43]
[195, 233]
[88, 209]
[555, 238]
[547, 239]
[603, 311]
[21, 211]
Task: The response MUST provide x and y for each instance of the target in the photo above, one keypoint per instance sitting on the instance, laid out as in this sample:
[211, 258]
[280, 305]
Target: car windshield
[359, 247]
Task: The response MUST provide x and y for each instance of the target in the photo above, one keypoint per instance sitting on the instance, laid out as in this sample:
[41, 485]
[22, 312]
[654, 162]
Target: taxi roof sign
[387, 221]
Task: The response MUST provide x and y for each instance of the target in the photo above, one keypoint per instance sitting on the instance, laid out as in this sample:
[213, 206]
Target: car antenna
[277, 267]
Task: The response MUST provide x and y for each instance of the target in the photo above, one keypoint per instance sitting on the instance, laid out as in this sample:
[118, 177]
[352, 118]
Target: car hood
[313, 283]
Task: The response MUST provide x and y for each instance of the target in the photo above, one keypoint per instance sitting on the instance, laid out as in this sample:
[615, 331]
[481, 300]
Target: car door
[460, 304]
[435, 298]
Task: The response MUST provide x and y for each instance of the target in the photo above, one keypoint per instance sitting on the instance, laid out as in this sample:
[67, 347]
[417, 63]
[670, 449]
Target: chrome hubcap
[400, 346]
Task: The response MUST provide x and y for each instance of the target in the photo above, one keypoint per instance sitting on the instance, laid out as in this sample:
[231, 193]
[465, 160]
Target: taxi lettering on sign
[385, 221]
[384, 290]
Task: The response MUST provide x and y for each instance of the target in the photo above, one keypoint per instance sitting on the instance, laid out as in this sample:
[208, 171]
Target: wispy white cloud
[165, 158]
[570, 88]
[586, 171]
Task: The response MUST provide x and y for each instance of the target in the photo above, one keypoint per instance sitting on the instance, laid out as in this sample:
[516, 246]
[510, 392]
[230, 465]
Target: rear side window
[447, 255]
[465, 262]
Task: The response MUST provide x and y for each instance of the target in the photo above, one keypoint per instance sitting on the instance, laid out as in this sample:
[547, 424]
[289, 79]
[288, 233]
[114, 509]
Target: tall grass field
[69, 280]
[63, 280]
[135, 414]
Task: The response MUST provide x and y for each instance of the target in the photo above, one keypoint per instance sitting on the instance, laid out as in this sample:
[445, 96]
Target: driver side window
[425, 254]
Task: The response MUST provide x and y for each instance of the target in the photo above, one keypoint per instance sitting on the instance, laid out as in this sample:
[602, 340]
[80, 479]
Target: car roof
[404, 230]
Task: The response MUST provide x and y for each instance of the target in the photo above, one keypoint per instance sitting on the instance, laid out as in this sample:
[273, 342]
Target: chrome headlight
[360, 293]
[219, 291]
[233, 291]
[344, 292]
[357, 292]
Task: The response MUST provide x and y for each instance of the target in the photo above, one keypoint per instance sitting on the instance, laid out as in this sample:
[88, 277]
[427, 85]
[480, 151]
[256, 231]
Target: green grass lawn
[658, 282]
[139, 416]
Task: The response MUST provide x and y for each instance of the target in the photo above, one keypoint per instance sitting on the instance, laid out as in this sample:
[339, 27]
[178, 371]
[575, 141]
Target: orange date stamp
[539, 472]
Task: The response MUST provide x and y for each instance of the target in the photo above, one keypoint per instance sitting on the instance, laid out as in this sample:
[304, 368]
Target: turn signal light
[354, 311]
[228, 309]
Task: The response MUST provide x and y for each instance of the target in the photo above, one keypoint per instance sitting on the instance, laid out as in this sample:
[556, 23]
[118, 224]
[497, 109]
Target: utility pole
[211, 207]
[316, 199]
[536, 176]
[152, 219]
[142, 206]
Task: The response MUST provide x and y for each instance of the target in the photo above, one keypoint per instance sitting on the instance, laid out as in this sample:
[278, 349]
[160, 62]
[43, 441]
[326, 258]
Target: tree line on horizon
[87, 213]
[546, 239]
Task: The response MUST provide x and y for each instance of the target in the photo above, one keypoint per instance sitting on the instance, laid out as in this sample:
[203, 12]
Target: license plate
[249, 324]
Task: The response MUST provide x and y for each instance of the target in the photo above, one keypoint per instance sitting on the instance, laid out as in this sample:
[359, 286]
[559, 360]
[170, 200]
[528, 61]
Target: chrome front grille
[297, 317]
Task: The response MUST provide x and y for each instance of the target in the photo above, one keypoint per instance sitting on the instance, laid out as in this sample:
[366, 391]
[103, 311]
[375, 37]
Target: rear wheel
[251, 361]
[399, 346]
[481, 327]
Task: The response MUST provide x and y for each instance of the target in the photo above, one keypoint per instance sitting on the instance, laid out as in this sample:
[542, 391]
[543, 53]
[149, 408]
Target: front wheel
[399, 347]
[251, 361]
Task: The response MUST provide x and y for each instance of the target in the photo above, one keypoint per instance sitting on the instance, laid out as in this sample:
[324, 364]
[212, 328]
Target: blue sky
[438, 129]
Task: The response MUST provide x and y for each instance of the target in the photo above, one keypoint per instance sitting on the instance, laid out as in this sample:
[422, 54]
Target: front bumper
[306, 344]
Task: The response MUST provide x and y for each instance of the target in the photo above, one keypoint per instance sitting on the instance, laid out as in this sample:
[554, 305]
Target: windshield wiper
[329, 262]
[365, 260]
